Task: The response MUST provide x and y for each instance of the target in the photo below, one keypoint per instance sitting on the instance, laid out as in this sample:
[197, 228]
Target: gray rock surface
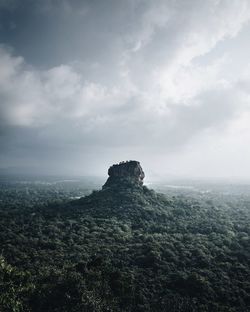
[126, 172]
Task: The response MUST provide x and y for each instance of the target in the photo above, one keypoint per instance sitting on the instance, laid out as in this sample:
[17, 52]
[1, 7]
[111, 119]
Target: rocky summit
[126, 173]
[123, 195]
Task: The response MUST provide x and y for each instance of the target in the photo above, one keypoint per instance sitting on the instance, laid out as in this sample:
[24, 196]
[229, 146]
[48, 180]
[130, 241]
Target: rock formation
[127, 173]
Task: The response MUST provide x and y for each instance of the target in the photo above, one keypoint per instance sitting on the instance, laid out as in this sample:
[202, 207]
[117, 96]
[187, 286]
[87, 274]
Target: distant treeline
[127, 250]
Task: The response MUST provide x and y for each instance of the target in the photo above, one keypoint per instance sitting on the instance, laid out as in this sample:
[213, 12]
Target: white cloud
[157, 99]
[171, 35]
[36, 98]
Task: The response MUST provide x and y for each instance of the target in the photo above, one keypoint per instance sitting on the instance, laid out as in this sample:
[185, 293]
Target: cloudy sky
[87, 83]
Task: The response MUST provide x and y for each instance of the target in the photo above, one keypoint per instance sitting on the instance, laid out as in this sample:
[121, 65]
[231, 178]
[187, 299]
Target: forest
[67, 247]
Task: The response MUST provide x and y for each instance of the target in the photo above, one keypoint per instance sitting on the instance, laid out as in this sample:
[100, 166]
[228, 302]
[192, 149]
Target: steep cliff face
[123, 196]
[125, 173]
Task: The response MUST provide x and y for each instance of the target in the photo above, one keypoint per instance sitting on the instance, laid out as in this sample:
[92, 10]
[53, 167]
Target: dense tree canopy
[122, 249]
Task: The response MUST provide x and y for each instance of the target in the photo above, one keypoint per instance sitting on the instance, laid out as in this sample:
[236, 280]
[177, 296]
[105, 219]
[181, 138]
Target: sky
[88, 83]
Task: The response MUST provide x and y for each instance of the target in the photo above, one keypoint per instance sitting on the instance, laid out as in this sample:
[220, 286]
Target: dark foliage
[124, 248]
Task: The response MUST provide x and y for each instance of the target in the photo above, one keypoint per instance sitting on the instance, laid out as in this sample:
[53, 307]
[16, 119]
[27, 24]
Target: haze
[84, 84]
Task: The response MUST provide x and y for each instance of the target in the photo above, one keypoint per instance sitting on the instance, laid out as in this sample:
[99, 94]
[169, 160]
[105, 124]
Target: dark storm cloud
[89, 81]
[50, 33]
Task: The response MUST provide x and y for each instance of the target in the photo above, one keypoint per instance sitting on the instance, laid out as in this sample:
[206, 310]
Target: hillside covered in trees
[123, 248]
